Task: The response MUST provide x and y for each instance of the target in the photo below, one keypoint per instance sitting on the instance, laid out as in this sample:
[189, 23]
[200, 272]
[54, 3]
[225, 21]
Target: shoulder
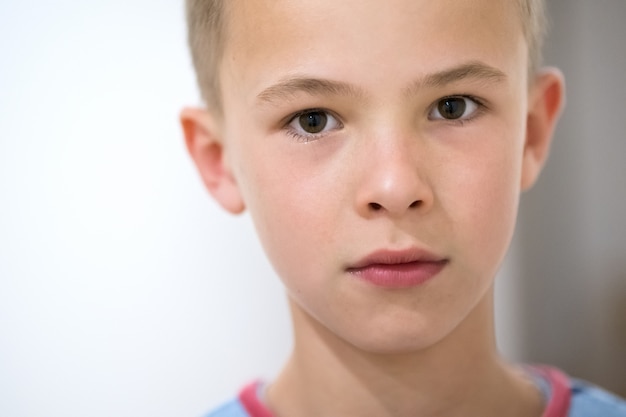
[232, 408]
[588, 401]
[246, 404]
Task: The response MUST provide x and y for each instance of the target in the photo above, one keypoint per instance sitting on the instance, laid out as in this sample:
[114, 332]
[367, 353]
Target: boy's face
[353, 127]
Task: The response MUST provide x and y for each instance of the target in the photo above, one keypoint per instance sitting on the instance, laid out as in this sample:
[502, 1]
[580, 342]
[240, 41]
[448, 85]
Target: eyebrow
[474, 71]
[288, 87]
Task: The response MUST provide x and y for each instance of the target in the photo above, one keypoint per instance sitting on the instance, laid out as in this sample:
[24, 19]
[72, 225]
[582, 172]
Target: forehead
[368, 40]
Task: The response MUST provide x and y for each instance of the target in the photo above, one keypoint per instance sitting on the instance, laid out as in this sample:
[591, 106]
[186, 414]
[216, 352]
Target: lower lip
[393, 276]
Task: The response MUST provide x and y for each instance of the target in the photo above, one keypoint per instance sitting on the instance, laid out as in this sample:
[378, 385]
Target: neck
[461, 375]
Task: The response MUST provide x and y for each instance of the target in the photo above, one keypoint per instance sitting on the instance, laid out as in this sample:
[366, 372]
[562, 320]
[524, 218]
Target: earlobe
[546, 100]
[205, 147]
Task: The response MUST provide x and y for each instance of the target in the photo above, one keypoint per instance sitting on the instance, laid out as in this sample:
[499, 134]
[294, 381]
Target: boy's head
[380, 148]
[208, 32]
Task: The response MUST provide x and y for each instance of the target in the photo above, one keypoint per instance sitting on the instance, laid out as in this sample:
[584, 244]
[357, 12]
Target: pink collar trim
[558, 406]
[561, 391]
[249, 398]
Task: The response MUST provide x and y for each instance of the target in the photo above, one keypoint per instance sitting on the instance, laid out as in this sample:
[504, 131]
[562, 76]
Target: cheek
[489, 192]
[290, 197]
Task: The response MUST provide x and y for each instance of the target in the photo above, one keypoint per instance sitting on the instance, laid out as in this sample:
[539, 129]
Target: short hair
[207, 27]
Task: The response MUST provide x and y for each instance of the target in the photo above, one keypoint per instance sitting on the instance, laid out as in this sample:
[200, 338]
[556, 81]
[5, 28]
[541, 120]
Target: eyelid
[308, 137]
[481, 106]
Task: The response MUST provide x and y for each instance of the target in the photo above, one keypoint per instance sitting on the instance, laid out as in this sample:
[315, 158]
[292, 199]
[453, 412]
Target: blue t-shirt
[233, 408]
[591, 401]
[584, 399]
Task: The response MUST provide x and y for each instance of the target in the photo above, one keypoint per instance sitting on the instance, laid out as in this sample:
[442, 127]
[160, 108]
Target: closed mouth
[398, 269]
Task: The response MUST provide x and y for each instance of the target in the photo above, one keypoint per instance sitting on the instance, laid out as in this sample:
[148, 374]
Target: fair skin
[386, 165]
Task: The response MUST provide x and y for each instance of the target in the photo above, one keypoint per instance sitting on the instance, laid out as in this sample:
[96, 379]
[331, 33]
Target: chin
[396, 341]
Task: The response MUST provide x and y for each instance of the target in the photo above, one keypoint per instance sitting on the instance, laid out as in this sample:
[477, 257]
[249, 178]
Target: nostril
[378, 207]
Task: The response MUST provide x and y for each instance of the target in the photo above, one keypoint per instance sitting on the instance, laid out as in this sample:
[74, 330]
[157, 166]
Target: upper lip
[395, 257]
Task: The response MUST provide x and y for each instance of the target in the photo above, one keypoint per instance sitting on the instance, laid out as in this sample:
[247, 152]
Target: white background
[125, 291]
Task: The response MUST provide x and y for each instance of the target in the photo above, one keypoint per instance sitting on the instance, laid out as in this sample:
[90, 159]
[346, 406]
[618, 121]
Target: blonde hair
[534, 24]
[206, 23]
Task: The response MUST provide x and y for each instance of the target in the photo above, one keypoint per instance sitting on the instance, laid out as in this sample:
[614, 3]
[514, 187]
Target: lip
[398, 269]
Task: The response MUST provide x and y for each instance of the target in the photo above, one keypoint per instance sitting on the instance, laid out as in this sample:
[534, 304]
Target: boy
[381, 149]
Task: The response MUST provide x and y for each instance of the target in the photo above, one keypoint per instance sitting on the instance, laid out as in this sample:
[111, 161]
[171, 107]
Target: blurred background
[571, 246]
[125, 291]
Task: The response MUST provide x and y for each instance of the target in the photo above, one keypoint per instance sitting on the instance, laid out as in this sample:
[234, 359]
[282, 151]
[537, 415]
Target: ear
[206, 148]
[546, 100]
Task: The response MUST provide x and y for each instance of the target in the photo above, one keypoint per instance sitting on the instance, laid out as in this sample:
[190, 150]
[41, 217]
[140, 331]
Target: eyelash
[481, 107]
[309, 137]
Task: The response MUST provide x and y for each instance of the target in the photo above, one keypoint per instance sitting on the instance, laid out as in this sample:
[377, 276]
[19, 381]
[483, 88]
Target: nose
[394, 180]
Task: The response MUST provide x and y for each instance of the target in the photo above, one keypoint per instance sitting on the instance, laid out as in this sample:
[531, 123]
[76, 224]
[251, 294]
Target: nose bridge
[394, 176]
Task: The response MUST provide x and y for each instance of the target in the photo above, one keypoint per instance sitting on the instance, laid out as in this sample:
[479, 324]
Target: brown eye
[454, 108]
[451, 108]
[313, 122]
